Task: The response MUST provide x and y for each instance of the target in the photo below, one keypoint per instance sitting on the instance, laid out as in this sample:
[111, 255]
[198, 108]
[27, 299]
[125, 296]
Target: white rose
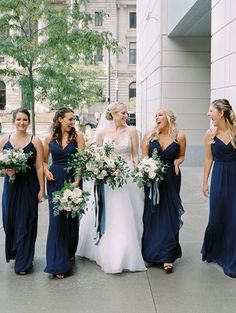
[64, 199]
[151, 174]
[77, 192]
[89, 166]
[3, 157]
[67, 193]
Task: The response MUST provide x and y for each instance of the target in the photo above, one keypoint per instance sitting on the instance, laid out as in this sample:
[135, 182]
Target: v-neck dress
[63, 232]
[220, 236]
[162, 222]
[20, 213]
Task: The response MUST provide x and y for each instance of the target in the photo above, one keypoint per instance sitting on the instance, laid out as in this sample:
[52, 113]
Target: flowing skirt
[119, 248]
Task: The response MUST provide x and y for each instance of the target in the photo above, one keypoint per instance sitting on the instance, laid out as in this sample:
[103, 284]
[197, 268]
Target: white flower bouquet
[101, 164]
[70, 199]
[15, 159]
[149, 170]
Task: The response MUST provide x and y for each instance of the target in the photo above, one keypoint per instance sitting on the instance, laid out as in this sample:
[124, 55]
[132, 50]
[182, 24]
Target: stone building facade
[179, 64]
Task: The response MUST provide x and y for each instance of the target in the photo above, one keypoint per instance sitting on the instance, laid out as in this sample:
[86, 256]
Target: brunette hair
[20, 110]
[56, 125]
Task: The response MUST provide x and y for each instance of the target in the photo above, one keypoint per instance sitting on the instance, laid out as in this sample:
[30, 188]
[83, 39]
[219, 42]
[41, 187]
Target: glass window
[98, 19]
[132, 90]
[132, 53]
[2, 95]
[132, 20]
[99, 55]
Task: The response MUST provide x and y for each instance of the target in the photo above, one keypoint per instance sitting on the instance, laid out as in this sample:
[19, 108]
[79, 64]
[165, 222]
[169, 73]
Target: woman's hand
[10, 172]
[205, 190]
[48, 175]
[41, 196]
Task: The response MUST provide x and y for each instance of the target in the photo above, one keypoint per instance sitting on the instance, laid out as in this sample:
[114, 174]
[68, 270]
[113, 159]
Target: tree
[71, 85]
[43, 42]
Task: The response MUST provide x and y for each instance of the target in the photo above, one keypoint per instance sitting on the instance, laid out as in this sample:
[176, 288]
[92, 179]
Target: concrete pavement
[194, 287]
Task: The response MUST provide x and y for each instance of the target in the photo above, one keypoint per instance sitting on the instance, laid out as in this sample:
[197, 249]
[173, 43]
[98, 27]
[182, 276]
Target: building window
[132, 53]
[132, 90]
[99, 55]
[2, 95]
[98, 19]
[132, 20]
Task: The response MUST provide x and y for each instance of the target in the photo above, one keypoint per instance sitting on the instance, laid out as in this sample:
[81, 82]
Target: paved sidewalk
[194, 287]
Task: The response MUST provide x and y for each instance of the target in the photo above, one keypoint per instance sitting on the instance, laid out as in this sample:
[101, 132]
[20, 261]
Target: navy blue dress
[63, 232]
[20, 213]
[220, 236]
[160, 242]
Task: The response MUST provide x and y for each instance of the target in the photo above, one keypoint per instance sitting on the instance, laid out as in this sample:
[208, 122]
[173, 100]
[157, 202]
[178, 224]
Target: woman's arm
[3, 140]
[80, 141]
[182, 145]
[47, 173]
[81, 146]
[39, 167]
[207, 163]
[134, 143]
[100, 137]
[145, 145]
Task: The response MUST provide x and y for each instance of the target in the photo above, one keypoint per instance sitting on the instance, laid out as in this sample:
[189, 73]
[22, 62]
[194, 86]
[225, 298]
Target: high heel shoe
[59, 276]
[168, 268]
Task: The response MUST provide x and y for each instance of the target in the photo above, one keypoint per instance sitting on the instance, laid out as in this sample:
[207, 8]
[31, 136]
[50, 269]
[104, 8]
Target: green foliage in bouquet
[149, 170]
[100, 163]
[70, 199]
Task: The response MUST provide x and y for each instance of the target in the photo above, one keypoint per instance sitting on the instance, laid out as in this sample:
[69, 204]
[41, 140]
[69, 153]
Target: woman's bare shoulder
[3, 140]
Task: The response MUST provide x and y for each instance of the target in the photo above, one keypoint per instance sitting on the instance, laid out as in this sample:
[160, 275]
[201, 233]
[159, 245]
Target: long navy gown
[220, 236]
[160, 242]
[63, 232]
[20, 213]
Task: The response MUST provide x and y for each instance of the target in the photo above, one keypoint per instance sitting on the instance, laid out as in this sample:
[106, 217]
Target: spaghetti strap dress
[20, 212]
[220, 236]
[160, 242]
[62, 239]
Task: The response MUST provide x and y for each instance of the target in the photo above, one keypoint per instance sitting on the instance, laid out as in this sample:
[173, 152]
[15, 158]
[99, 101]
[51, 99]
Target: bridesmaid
[62, 237]
[220, 151]
[160, 243]
[20, 199]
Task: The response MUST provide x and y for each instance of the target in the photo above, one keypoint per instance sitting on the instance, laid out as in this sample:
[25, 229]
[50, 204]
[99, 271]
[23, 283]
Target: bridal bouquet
[149, 170]
[15, 159]
[101, 164]
[70, 199]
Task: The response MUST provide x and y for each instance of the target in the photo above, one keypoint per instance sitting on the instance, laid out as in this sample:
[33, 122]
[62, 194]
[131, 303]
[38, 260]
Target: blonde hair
[171, 118]
[114, 108]
[223, 105]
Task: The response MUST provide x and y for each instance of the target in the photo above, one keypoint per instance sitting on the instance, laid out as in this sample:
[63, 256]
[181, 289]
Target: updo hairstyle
[114, 108]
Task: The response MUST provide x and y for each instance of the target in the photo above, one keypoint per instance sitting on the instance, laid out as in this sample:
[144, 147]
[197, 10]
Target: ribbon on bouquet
[154, 195]
[99, 196]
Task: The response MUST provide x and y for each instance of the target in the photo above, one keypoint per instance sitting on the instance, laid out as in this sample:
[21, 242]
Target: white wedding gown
[119, 248]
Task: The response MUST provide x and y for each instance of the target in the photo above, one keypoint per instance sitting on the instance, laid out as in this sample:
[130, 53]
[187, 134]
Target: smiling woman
[62, 237]
[20, 198]
[220, 145]
[162, 219]
[123, 206]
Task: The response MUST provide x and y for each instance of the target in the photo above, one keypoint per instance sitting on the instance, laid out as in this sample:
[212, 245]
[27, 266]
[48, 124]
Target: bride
[119, 247]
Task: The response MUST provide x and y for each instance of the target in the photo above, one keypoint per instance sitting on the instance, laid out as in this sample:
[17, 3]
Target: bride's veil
[103, 123]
